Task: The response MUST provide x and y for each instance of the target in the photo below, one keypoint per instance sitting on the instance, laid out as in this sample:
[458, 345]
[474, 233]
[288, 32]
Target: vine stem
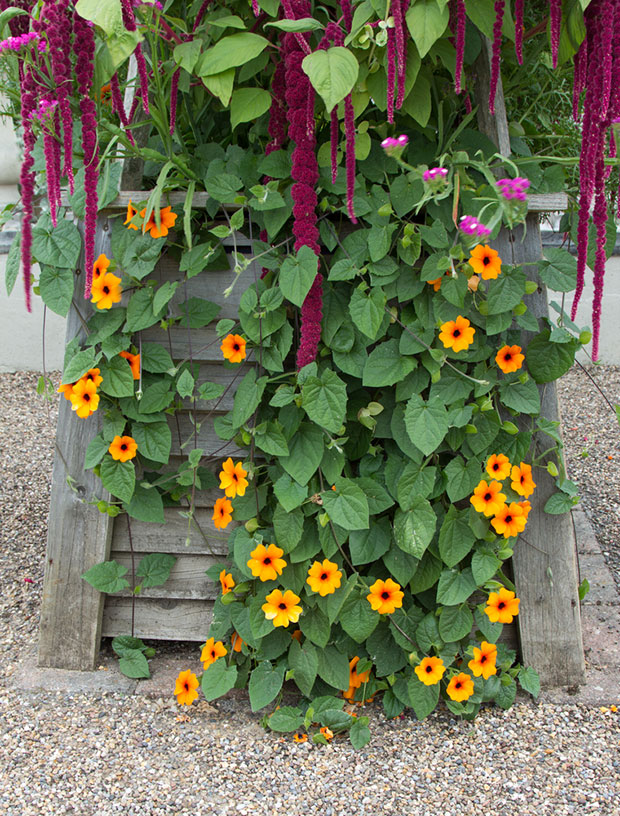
[333, 532]
[133, 576]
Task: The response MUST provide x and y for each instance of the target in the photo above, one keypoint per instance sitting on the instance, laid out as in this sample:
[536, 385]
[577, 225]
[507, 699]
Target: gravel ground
[105, 754]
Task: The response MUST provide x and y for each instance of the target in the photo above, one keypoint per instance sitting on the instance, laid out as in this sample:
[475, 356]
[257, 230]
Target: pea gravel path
[113, 752]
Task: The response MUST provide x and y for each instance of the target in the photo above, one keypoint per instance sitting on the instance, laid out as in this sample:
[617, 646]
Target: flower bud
[552, 469]
[252, 525]
[519, 309]
[530, 287]
[510, 428]
[585, 336]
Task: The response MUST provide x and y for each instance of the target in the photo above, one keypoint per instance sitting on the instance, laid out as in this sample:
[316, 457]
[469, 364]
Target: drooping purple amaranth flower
[349, 130]
[277, 111]
[27, 177]
[599, 217]
[311, 316]
[174, 90]
[129, 20]
[255, 8]
[347, 14]
[461, 21]
[118, 106]
[391, 73]
[84, 49]
[401, 52]
[56, 17]
[497, 52]
[555, 14]
[334, 137]
[580, 63]
[519, 30]
[201, 14]
[51, 151]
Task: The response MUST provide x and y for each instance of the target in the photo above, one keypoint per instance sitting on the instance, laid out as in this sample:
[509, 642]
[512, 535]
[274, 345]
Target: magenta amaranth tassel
[519, 31]
[277, 112]
[255, 8]
[349, 131]
[50, 169]
[460, 44]
[391, 73]
[555, 14]
[119, 106]
[599, 217]
[401, 52]
[580, 62]
[334, 137]
[201, 14]
[347, 15]
[174, 90]
[58, 30]
[497, 52]
[27, 178]
[129, 21]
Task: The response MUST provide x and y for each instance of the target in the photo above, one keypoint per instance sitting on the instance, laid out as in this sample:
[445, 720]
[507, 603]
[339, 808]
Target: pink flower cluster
[45, 110]
[391, 145]
[17, 43]
[513, 188]
[471, 226]
[434, 174]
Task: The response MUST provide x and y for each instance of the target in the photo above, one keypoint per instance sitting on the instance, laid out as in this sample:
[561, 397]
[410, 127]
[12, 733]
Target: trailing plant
[385, 362]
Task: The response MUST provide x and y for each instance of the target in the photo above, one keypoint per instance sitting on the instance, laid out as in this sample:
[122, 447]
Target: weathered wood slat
[158, 619]
[187, 581]
[171, 536]
[206, 438]
[78, 534]
[545, 560]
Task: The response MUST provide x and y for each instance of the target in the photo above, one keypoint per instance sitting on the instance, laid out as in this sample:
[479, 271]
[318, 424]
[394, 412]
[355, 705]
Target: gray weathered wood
[158, 619]
[545, 557]
[78, 534]
[172, 536]
[188, 579]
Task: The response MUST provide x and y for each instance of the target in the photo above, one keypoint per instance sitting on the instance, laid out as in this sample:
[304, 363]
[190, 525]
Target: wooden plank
[544, 562]
[187, 581]
[158, 619]
[78, 534]
[206, 438]
[171, 537]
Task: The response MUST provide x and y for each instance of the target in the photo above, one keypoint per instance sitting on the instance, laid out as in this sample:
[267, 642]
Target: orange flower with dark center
[430, 670]
[300, 737]
[233, 348]
[457, 334]
[281, 609]
[94, 375]
[526, 507]
[498, 466]
[100, 267]
[485, 262]
[266, 562]
[123, 448]
[355, 680]
[222, 513]
[509, 520]
[483, 662]
[488, 498]
[522, 482]
[460, 687]
[131, 213]
[212, 651]
[502, 606]
[236, 642]
[134, 362]
[167, 219]
[106, 290]
[84, 398]
[324, 577]
[327, 732]
[226, 582]
[185, 689]
[66, 389]
[105, 93]
[232, 479]
[509, 358]
[385, 596]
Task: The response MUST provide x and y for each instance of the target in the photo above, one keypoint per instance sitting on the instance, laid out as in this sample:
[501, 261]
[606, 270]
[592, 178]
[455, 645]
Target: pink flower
[513, 188]
[471, 226]
[435, 174]
[395, 146]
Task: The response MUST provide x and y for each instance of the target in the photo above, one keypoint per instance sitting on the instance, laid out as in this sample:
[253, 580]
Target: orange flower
[522, 482]
[300, 737]
[473, 283]
[355, 680]
[106, 290]
[436, 283]
[94, 375]
[485, 262]
[502, 606]
[457, 334]
[167, 218]
[327, 732]
[509, 520]
[100, 267]
[105, 93]
[236, 642]
[498, 466]
[460, 687]
[84, 398]
[123, 448]
[526, 507]
[385, 596]
[266, 563]
[131, 212]
[222, 513]
[66, 389]
[430, 670]
[282, 609]
[185, 688]
[487, 498]
[134, 362]
[483, 662]
[232, 479]
[233, 348]
[509, 358]
[226, 582]
[212, 651]
[324, 578]
[297, 635]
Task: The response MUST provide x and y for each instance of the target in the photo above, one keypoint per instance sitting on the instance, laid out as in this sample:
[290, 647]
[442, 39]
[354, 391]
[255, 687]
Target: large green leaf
[455, 622]
[347, 505]
[297, 274]
[79, 364]
[265, 684]
[229, 52]
[357, 617]
[426, 423]
[369, 545]
[334, 667]
[247, 105]
[285, 719]
[118, 478]
[218, 679]
[107, 577]
[427, 21]
[455, 587]
[547, 361]
[146, 505]
[56, 246]
[456, 538]
[304, 662]
[154, 440]
[414, 529]
[117, 380]
[316, 627]
[154, 569]
[56, 287]
[386, 365]
[423, 698]
[461, 477]
[221, 85]
[560, 270]
[521, 397]
[367, 310]
[134, 664]
[13, 262]
[325, 400]
[306, 452]
[333, 73]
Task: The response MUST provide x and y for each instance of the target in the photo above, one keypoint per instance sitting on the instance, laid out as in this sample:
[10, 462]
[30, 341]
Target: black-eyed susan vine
[387, 481]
